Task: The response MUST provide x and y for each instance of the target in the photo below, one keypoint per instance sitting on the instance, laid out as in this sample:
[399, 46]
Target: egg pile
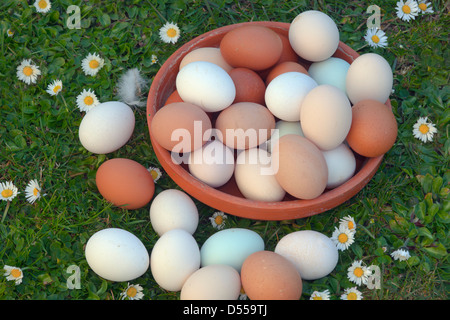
[279, 114]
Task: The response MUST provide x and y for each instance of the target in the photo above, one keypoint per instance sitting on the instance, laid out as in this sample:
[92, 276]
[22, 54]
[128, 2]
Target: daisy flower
[424, 130]
[32, 191]
[87, 100]
[401, 255]
[8, 191]
[13, 273]
[407, 10]
[342, 237]
[154, 59]
[349, 223]
[376, 38]
[54, 88]
[28, 72]
[218, 220]
[320, 295]
[42, 5]
[169, 33]
[351, 294]
[358, 273]
[10, 33]
[92, 64]
[425, 7]
[132, 292]
[155, 172]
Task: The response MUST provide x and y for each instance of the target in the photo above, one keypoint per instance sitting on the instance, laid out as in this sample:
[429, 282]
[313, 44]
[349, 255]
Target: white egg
[369, 77]
[341, 165]
[106, 127]
[313, 254]
[285, 93]
[173, 209]
[331, 71]
[116, 255]
[175, 256]
[206, 85]
[255, 176]
[213, 163]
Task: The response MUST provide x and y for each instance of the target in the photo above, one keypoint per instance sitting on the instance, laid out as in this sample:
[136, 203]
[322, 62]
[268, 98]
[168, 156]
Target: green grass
[406, 204]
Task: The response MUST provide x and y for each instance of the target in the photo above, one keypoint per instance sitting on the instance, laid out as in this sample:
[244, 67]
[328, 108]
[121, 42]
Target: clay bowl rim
[162, 86]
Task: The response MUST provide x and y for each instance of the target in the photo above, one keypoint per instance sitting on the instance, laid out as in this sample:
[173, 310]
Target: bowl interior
[228, 197]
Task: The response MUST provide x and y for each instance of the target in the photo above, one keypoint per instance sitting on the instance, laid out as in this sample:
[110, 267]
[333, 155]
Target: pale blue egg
[331, 71]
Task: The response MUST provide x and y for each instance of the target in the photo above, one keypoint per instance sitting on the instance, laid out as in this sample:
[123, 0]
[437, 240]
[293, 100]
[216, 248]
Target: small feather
[130, 88]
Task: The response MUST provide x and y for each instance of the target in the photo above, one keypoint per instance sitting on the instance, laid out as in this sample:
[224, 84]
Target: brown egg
[302, 168]
[181, 127]
[253, 47]
[245, 125]
[125, 183]
[374, 128]
[288, 54]
[287, 66]
[249, 86]
[174, 97]
[266, 275]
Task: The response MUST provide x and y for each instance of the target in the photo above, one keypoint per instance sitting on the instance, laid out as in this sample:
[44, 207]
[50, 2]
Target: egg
[107, 127]
[326, 116]
[302, 169]
[117, 255]
[206, 85]
[174, 258]
[331, 71]
[213, 164]
[266, 275]
[249, 85]
[213, 282]
[374, 128]
[253, 47]
[173, 209]
[287, 54]
[313, 35]
[283, 128]
[210, 54]
[230, 247]
[125, 183]
[181, 127]
[369, 77]
[341, 165]
[283, 67]
[255, 177]
[244, 125]
[313, 253]
[285, 93]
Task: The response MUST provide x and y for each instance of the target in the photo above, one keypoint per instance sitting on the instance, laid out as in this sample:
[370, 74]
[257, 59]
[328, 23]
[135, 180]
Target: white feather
[130, 88]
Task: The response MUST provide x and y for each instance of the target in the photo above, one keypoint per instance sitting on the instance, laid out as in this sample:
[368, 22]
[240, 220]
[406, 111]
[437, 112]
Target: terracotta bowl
[228, 198]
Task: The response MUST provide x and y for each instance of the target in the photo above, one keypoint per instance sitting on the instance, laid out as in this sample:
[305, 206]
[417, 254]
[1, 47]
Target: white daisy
[155, 172]
[349, 223]
[8, 191]
[376, 38]
[54, 88]
[92, 64]
[342, 237]
[218, 220]
[424, 130]
[32, 191]
[425, 7]
[132, 292]
[351, 294]
[87, 100]
[154, 59]
[407, 10]
[10, 33]
[42, 5]
[28, 72]
[358, 273]
[320, 295]
[401, 255]
[13, 273]
[169, 33]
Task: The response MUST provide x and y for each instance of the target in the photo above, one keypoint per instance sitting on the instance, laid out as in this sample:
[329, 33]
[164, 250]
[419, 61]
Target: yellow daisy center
[406, 9]
[424, 128]
[351, 296]
[375, 38]
[358, 272]
[42, 4]
[35, 192]
[342, 238]
[317, 298]
[93, 64]
[7, 193]
[131, 292]
[171, 33]
[218, 220]
[351, 225]
[56, 89]
[16, 273]
[88, 100]
[28, 71]
[154, 174]
[423, 6]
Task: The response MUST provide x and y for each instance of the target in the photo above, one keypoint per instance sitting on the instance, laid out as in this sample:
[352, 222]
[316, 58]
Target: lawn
[404, 206]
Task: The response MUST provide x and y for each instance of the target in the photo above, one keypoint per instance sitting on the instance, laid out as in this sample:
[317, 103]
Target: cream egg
[341, 165]
[210, 54]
